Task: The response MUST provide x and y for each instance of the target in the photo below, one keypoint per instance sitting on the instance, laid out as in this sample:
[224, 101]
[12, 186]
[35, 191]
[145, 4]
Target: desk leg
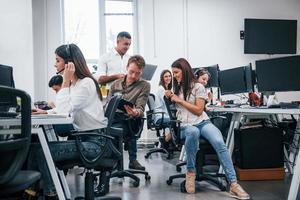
[294, 151]
[235, 121]
[51, 135]
[295, 181]
[296, 176]
[50, 164]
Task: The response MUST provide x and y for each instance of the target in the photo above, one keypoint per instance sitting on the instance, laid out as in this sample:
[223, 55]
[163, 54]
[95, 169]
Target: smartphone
[123, 102]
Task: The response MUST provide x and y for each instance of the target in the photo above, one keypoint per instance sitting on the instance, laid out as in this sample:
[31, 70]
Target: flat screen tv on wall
[270, 36]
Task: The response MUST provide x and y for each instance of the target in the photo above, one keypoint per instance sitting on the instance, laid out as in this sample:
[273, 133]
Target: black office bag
[257, 148]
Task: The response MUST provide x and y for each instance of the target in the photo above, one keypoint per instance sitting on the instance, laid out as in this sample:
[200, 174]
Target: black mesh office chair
[105, 161]
[14, 148]
[202, 171]
[134, 131]
[151, 125]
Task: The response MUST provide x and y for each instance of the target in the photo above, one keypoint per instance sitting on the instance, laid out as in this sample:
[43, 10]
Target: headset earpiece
[69, 54]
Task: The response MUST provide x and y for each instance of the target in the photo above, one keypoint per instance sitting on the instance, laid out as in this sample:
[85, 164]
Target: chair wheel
[147, 156]
[147, 177]
[222, 188]
[136, 184]
[169, 182]
[178, 168]
[182, 187]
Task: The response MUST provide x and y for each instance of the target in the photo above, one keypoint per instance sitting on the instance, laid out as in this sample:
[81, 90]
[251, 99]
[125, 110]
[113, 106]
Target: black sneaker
[134, 164]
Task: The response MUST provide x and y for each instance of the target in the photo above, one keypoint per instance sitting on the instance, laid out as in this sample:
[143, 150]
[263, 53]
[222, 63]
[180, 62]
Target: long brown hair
[188, 77]
[71, 52]
[162, 82]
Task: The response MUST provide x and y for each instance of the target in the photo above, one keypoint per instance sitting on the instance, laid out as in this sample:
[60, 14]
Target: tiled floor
[157, 189]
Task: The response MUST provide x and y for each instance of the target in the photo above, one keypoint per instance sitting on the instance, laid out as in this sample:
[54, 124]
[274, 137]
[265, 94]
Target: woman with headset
[80, 98]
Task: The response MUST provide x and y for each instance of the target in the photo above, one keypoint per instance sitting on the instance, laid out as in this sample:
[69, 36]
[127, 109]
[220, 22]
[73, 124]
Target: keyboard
[8, 114]
[231, 105]
[284, 105]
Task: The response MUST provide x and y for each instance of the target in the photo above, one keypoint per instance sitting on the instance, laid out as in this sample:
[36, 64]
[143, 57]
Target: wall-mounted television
[270, 36]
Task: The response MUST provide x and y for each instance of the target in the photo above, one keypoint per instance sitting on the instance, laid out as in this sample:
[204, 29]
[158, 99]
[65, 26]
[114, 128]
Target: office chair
[120, 172]
[151, 125]
[14, 147]
[105, 161]
[202, 173]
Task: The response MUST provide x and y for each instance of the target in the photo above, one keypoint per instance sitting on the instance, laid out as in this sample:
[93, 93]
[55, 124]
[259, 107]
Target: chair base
[131, 174]
[157, 150]
[213, 179]
[179, 165]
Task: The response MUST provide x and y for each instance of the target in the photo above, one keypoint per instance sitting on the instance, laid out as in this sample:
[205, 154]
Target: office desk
[239, 113]
[36, 122]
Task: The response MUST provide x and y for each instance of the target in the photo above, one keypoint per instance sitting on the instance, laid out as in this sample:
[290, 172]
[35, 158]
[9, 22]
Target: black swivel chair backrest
[111, 108]
[174, 123]
[100, 162]
[14, 146]
[151, 114]
[14, 150]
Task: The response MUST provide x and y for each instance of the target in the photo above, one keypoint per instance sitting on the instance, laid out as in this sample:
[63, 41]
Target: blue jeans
[60, 151]
[212, 134]
[164, 123]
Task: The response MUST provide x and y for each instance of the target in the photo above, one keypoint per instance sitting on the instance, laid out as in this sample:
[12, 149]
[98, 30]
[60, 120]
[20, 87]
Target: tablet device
[123, 102]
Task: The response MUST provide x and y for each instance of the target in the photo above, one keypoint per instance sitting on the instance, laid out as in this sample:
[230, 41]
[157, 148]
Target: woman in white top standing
[189, 96]
[165, 83]
[80, 98]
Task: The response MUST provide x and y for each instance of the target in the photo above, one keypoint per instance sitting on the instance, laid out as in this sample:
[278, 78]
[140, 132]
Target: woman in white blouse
[80, 98]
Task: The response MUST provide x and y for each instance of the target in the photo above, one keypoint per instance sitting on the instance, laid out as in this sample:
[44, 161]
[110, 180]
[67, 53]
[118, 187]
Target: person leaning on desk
[80, 98]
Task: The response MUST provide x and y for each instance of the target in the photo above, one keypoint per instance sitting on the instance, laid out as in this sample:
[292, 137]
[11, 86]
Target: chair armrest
[93, 134]
[116, 131]
[162, 116]
[220, 117]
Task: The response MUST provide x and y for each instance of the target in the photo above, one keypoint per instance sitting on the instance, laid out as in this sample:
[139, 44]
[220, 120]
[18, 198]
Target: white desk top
[38, 120]
[256, 110]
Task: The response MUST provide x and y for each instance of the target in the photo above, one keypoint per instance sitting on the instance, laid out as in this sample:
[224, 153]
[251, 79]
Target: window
[94, 24]
[118, 17]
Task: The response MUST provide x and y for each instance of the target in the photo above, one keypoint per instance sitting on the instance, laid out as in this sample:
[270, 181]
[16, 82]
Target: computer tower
[257, 148]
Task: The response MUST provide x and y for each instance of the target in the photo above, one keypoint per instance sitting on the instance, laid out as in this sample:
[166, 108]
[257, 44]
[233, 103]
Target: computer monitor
[148, 72]
[278, 74]
[236, 80]
[270, 36]
[214, 75]
[6, 79]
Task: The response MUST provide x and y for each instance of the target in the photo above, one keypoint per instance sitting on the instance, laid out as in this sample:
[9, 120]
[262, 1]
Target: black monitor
[278, 74]
[270, 36]
[236, 80]
[148, 72]
[6, 79]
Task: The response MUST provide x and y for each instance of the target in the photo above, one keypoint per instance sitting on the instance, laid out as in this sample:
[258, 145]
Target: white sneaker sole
[236, 197]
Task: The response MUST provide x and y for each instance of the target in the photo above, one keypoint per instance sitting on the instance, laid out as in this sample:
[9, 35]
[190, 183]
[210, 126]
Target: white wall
[47, 32]
[205, 32]
[16, 41]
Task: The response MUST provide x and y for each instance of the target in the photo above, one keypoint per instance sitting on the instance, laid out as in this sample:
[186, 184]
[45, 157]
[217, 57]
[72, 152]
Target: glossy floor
[157, 189]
